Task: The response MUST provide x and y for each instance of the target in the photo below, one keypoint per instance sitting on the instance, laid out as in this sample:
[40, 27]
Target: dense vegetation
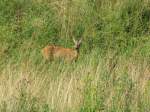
[112, 73]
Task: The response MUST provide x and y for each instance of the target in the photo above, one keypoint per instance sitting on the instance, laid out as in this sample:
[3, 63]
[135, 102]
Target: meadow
[112, 73]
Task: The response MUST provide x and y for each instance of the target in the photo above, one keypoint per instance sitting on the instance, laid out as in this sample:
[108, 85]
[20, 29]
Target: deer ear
[74, 40]
[79, 42]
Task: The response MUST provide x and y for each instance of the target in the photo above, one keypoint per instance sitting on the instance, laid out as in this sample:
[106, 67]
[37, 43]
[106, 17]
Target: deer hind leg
[47, 55]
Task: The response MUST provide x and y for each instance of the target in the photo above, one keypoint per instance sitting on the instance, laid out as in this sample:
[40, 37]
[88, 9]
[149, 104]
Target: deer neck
[77, 50]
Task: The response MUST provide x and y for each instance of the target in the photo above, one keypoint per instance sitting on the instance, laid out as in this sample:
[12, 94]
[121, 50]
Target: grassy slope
[113, 70]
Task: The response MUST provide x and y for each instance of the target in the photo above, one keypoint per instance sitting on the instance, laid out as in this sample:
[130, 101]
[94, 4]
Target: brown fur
[51, 52]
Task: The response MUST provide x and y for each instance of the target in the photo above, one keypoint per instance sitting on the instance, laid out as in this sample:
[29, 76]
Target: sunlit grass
[94, 84]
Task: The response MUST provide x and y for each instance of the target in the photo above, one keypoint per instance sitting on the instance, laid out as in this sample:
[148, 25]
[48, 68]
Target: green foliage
[100, 23]
[135, 17]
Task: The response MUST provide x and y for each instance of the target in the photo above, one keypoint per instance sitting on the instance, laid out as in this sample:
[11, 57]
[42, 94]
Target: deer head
[77, 44]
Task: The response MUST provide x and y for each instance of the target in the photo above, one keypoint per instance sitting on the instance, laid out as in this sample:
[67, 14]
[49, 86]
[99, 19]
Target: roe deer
[51, 52]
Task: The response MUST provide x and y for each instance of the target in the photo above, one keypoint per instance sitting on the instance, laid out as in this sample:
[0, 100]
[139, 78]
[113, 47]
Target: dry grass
[66, 88]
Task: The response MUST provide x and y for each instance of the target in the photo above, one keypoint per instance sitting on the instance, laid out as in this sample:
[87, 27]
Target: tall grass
[113, 70]
[93, 84]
